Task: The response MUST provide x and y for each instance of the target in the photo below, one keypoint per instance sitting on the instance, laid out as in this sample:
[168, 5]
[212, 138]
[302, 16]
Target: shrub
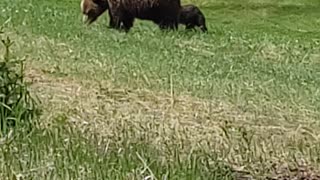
[17, 107]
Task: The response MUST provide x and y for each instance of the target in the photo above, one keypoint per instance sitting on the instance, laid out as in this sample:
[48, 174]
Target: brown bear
[122, 13]
[191, 16]
[92, 9]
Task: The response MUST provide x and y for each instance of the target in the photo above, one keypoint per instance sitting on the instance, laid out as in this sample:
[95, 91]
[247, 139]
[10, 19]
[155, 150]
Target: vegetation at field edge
[240, 100]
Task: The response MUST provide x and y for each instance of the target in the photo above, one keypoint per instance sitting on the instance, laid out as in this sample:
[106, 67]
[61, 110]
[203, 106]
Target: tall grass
[17, 107]
[256, 69]
[62, 151]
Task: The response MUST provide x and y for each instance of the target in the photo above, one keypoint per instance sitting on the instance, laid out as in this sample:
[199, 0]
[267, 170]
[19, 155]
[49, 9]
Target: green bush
[17, 107]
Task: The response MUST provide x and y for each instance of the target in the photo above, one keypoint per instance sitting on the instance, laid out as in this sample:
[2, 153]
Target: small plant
[17, 106]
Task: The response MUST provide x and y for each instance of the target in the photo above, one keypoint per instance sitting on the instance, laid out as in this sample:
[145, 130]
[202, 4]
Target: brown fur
[122, 13]
[92, 9]
[191, 16]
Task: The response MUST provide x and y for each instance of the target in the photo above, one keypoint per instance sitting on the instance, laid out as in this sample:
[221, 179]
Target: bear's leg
[115, 19]
[168, 22]
[172, 24]
[190, 26]
[116, 23]
[204, 28]
[202, 23]
[128, 23]
[161, 25]
[166, 25]
[174, 20]
[120, 20]
[112, 23]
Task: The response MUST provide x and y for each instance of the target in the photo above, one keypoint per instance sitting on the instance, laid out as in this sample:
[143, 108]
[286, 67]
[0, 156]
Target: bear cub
[191, 17]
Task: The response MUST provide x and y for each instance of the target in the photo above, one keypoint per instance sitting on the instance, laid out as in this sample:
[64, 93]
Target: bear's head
[92, 9]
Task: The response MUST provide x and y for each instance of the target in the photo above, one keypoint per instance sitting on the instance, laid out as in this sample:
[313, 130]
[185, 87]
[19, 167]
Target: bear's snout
[92, 10]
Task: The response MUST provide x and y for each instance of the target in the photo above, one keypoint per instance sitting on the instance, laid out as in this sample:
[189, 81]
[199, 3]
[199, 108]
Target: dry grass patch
[166, 120]
[255, 142]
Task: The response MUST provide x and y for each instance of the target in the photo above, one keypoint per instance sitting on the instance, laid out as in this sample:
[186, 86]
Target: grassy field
[240, 100]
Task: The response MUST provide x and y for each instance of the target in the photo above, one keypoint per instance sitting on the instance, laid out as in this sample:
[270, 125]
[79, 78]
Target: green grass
[62, 152]
[17, 107]
[257, 68]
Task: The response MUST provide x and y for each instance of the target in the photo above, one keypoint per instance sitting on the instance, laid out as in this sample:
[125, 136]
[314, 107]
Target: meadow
[241, 101]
